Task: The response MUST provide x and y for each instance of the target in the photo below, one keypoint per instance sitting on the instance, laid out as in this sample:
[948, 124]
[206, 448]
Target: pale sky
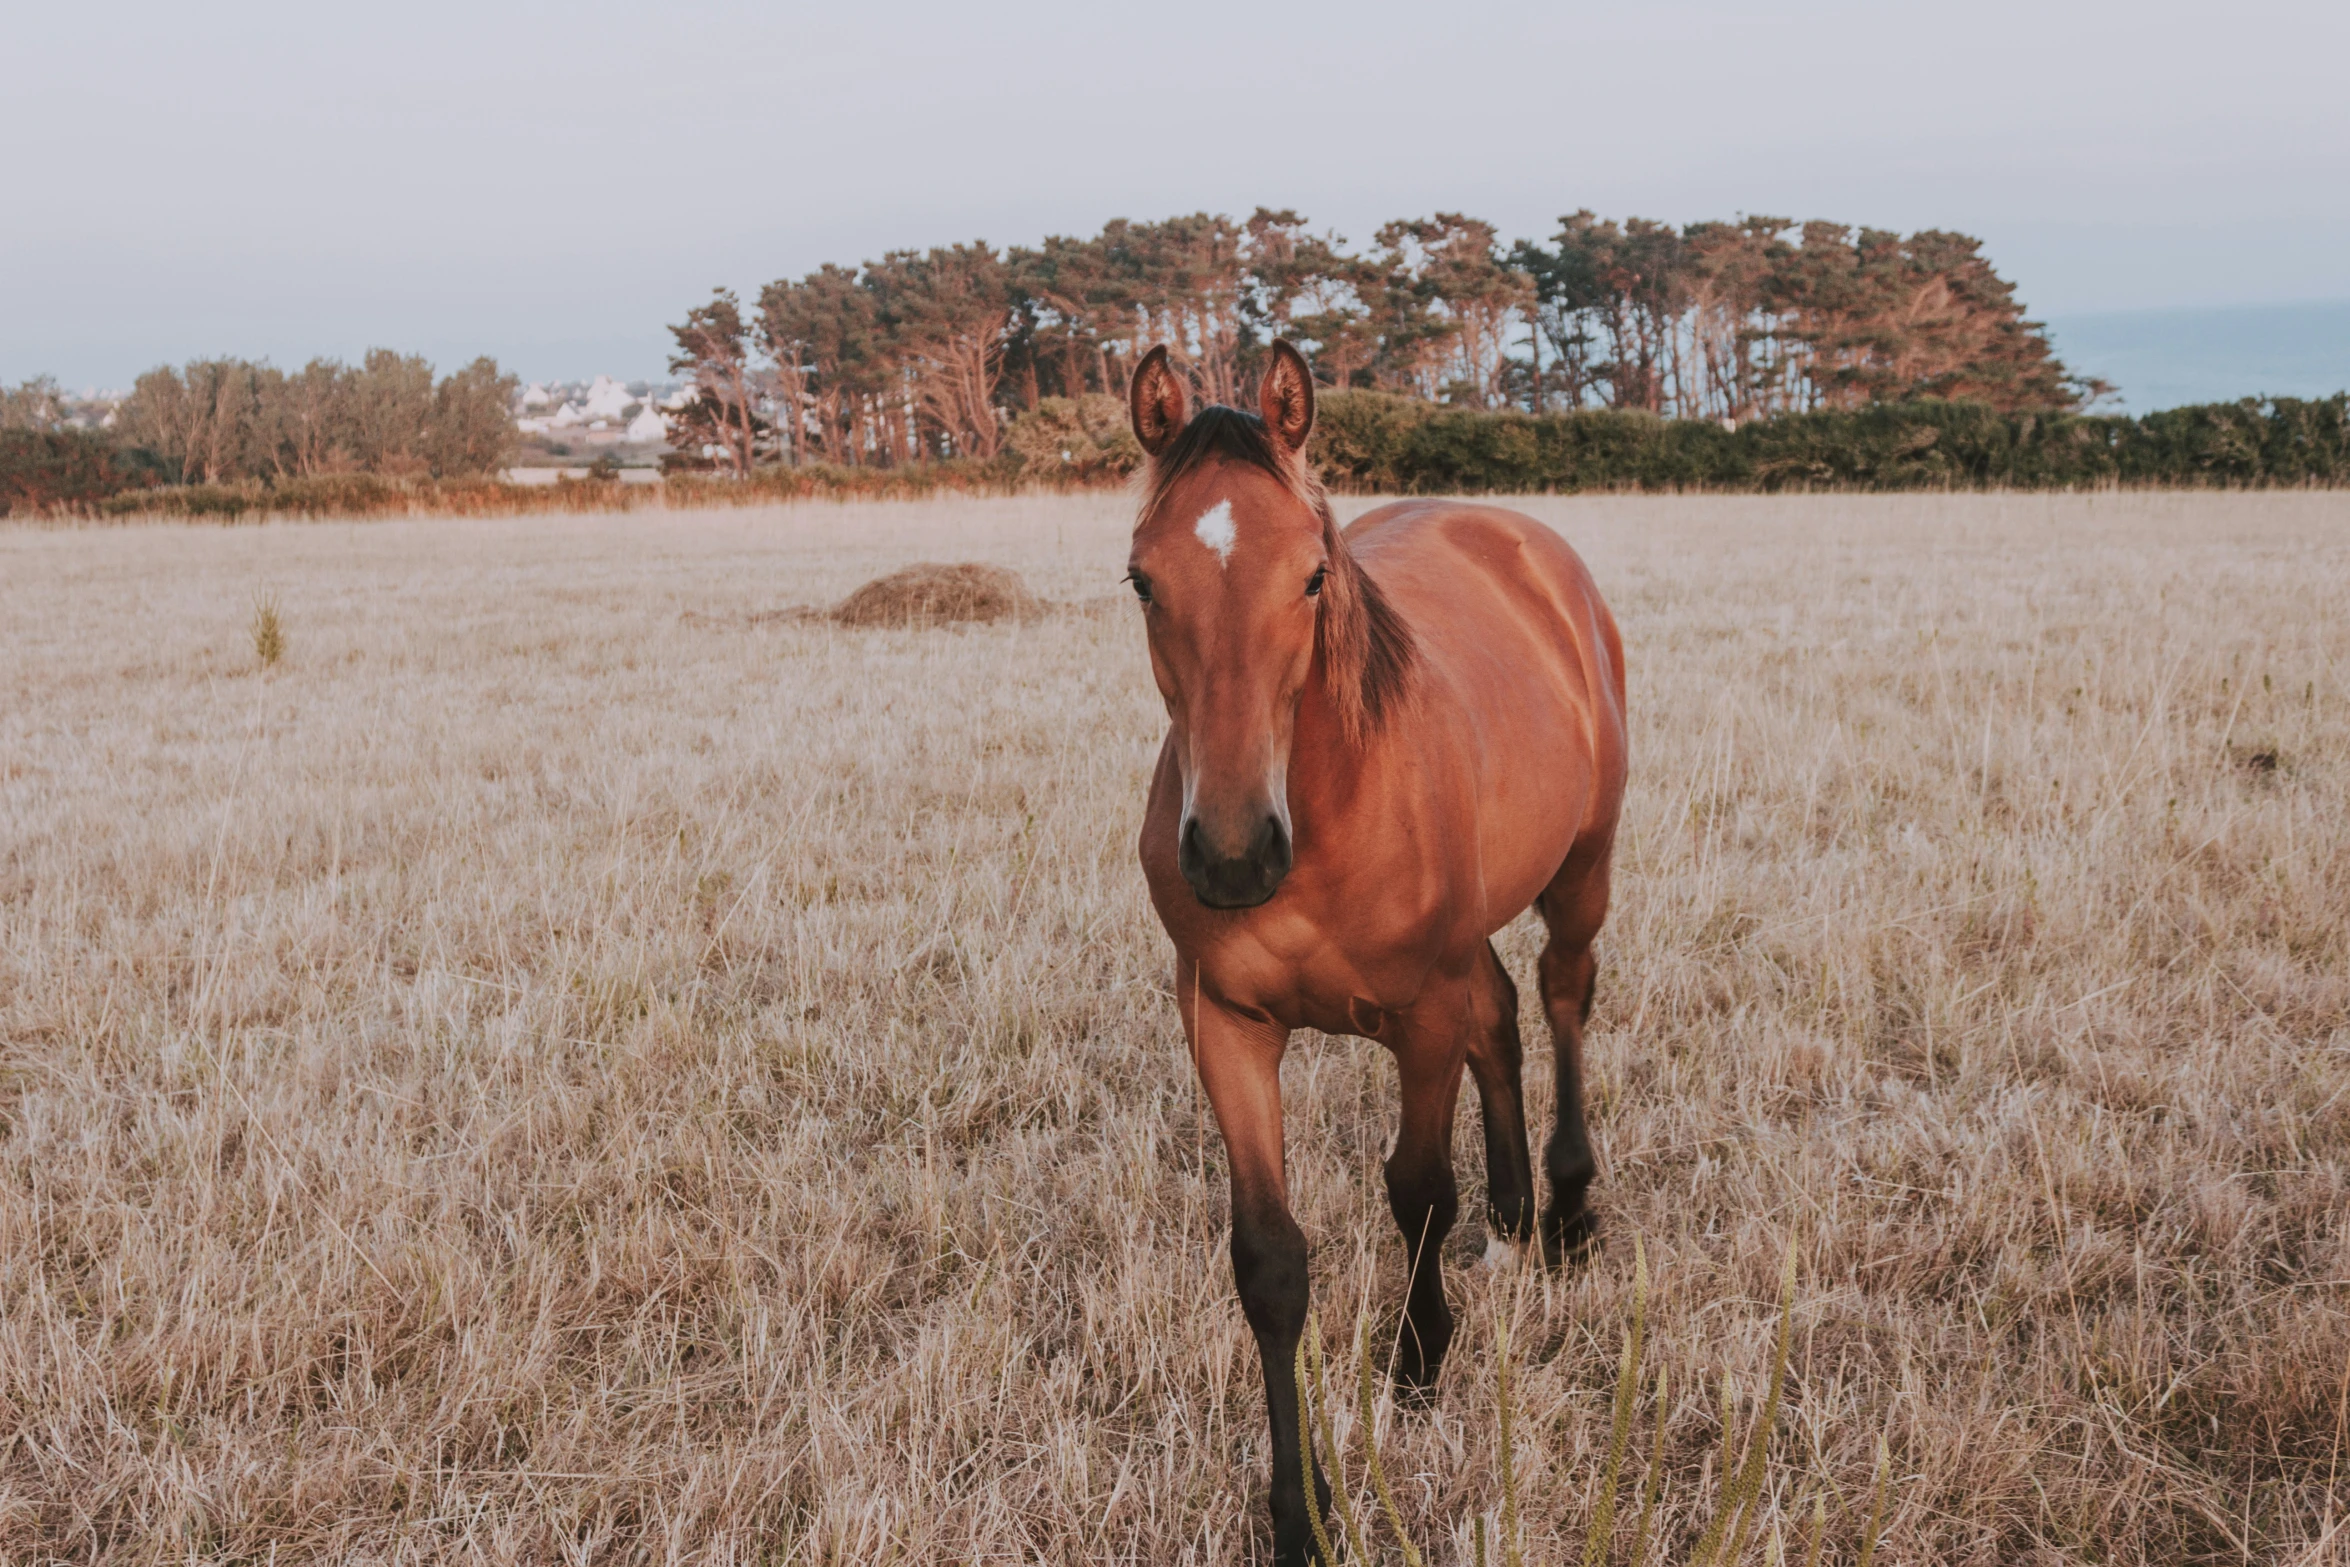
[551, 184]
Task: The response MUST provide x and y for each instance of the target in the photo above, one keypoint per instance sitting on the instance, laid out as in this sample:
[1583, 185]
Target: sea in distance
[2166, 358]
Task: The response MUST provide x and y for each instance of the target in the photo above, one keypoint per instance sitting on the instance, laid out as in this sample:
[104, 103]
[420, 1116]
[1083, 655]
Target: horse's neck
[1324, 765]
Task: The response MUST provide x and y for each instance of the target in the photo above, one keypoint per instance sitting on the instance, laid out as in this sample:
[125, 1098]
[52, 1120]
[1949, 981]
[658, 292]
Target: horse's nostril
[1272, 846]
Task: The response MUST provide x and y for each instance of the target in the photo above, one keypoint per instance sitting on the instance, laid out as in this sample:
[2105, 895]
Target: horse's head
[1248, 592]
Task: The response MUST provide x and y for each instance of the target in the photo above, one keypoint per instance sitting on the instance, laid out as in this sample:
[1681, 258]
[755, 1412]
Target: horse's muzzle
[1243, 880]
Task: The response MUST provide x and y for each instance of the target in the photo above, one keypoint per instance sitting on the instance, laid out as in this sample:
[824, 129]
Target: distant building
[607, 399]
[648, 425]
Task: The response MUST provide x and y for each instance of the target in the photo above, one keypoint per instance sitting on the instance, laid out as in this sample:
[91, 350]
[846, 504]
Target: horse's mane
[1365, 646]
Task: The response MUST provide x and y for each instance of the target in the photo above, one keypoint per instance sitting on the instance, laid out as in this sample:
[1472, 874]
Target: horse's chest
[1342, 977]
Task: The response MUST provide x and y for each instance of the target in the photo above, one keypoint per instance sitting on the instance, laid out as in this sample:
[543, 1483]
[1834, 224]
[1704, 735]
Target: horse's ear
[1287, 398]
[1155, 399]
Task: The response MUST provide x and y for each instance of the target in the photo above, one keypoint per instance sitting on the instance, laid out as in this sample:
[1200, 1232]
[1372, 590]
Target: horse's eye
[1314, 582]
[1142, 585]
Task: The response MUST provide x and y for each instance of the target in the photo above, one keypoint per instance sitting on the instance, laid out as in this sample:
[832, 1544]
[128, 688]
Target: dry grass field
[574, 1065]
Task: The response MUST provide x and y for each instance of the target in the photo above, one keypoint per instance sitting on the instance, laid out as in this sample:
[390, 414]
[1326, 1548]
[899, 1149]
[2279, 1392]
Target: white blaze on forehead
[1215, 531]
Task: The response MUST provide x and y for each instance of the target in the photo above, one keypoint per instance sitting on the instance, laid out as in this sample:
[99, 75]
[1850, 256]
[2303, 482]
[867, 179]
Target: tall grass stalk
[1725, 1472]
[1368, 1408]
[1342, 1495]
[1819, 1528]
[1511, 1555]
[1654, 1480]
[1868, 1541]
[1735, 1518]
[1305, 1448]
[1311, 1411]
[1603, 1514]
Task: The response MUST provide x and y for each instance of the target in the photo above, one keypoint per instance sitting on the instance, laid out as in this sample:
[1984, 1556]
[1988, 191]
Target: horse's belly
[1532, 806]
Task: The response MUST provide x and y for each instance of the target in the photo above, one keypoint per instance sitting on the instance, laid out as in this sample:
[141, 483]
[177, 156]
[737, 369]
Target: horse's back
[1526, 658]
[1492, 575]
[1457, 558]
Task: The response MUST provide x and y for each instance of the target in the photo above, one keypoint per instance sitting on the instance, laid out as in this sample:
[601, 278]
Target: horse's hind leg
[1421, 1192]
[1573, 907]
[1495, 1056]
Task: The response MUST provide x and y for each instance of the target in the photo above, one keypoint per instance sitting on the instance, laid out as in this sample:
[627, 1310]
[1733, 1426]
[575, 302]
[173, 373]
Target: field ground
[574, 1066]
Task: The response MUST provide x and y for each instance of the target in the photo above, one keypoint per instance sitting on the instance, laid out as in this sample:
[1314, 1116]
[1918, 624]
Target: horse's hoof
[1569, 1240]
[1302, 1552]
[1414, 1396]
[1413, 1376]
[1500, 1255]
[1419, 1358]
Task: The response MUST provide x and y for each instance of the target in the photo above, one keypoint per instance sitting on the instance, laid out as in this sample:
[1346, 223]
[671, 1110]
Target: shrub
[1361, 439]
[200, 502]
[1073, 439]
[61, 470]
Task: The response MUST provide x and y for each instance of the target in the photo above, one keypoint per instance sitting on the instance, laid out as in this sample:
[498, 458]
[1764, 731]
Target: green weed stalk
[1305, 1447]
[1653, 1482]
[1868, 1542]
[1511, 1555]
[1603, 1517]
[1369, 1408]
[1734, 1520]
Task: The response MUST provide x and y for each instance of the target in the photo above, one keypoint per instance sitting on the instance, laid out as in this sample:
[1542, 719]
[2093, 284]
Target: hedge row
[1373, 442]
[371, 495]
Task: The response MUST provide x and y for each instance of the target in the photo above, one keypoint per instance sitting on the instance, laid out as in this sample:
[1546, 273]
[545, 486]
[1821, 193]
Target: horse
[1384, 743]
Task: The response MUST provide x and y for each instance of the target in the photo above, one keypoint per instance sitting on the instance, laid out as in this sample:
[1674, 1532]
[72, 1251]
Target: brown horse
[1383, 745]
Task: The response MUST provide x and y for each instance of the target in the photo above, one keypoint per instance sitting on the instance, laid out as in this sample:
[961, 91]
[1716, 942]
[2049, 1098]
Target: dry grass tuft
[536, 1080]
[933, 595]
[268, 631]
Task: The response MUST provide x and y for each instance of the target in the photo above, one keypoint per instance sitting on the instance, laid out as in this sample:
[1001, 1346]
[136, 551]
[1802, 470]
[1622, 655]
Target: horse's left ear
[1287, 398]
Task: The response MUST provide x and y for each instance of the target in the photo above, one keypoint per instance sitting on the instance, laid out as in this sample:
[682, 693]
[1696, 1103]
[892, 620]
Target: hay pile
[928, 594]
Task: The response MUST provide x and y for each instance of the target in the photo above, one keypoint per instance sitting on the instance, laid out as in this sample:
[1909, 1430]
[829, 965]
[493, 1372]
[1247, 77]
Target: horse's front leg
[1239, 1061]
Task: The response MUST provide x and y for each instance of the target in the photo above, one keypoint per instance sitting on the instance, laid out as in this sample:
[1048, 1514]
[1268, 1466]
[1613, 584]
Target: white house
[607, 398]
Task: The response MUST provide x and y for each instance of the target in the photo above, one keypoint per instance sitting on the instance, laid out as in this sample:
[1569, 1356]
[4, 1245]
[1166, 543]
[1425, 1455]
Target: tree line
[930, 354]
[231, 421]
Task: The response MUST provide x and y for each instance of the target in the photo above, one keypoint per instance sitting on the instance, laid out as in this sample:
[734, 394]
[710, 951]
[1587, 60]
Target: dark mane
[1219, 434]
[1366, 648]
